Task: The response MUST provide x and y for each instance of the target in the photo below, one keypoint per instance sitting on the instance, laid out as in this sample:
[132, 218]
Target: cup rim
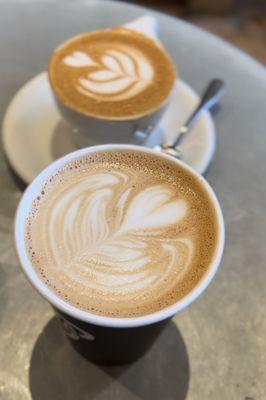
[116, 322]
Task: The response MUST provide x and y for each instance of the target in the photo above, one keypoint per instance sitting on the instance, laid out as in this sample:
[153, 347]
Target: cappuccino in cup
[115, 74]
[119, 232]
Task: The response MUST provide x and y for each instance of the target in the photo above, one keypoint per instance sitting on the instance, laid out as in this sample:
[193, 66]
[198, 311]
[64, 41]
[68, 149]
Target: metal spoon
[209, 98]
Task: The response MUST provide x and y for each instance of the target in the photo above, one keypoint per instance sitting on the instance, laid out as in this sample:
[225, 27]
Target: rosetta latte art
[122, 73]
[112, 239]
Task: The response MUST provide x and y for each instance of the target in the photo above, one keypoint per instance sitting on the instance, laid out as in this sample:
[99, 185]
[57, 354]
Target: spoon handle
[210, 97]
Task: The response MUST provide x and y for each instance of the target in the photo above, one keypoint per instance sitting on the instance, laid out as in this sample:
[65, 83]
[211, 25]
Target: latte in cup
[122, 233]
[115, 74]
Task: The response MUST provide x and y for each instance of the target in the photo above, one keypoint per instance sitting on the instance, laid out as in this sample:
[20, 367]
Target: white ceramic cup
[84, 323]
[88, 130]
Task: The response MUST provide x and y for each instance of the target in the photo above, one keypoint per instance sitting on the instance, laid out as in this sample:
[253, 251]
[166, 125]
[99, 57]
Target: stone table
[215, 349]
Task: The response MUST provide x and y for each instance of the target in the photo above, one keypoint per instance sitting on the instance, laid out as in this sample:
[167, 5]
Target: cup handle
[146, 25]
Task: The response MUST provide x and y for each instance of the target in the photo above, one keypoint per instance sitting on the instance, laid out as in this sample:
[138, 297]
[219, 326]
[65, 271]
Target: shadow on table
[3, 291]
[58, 372]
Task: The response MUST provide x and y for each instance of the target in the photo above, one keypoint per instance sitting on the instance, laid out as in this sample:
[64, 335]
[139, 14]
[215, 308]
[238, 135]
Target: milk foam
[114, 259]
[113, 73]
[123, 72]
[114, 239]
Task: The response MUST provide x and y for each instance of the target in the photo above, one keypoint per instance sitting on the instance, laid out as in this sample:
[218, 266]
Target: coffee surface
[121, 233]
[114, 73]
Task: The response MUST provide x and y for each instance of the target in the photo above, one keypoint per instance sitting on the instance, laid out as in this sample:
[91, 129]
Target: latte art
[117, 258]
[118, 237]
[121, 73]
[116, 73]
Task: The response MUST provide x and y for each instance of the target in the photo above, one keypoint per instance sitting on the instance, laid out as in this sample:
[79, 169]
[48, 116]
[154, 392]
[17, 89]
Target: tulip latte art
[121, 233]
[115, 73]
[119, 75]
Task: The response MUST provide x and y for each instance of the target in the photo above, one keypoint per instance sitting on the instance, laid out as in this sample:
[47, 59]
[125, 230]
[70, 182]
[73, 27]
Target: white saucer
[34, 134]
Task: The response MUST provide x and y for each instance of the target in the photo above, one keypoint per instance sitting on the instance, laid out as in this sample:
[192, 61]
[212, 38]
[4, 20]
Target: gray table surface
[216, 349]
